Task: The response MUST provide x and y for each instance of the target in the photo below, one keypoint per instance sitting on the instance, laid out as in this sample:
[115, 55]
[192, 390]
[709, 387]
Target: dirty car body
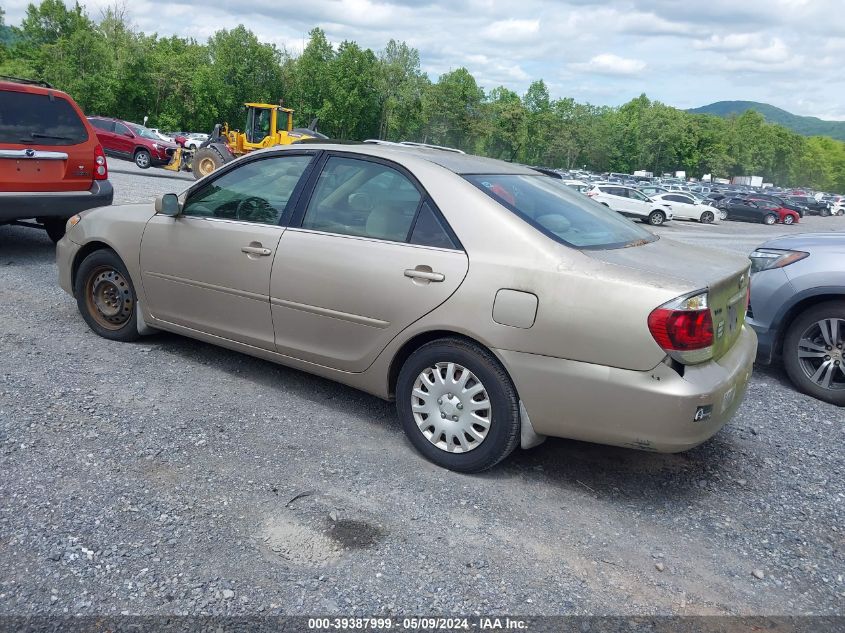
[495, 305]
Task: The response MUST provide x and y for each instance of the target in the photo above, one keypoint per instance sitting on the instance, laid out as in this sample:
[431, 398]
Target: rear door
[365, 256]
[45, 143]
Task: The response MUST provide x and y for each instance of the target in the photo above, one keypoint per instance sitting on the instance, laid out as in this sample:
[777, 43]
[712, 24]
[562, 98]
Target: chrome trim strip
[32, 154]
[334, 314]
[201, 284]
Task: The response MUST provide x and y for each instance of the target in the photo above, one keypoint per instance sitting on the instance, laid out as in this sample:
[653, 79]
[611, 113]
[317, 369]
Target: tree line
[357, 93]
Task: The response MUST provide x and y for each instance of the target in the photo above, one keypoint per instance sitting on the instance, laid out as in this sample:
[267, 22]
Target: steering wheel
[248, 206]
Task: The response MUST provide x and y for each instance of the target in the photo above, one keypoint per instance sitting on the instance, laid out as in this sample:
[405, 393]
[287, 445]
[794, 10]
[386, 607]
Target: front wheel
[788, 219]
[770, 219]
[707, 217]
[106, 297]
[143, 159]
[458, 406]
[656, 218]
[206, 160]
[814, 352]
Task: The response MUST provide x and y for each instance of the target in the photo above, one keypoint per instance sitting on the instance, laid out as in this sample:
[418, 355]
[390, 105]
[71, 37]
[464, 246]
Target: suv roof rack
[30, 82]
[376, 141]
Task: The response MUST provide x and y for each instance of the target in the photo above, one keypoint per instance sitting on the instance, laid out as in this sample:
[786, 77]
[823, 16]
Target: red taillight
[101, 168]
[684, 328]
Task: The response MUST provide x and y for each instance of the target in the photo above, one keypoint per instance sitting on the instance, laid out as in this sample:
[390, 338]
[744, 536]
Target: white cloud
[512, 30]
[610, 64]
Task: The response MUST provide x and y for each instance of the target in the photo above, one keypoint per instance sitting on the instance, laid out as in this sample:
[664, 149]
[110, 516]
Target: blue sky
[788, 53]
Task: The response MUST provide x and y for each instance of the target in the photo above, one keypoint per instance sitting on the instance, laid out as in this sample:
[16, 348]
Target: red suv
[122, 139]
[51, 164]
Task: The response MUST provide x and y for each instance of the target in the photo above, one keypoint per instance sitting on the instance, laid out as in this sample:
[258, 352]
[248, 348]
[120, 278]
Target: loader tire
[206, 160]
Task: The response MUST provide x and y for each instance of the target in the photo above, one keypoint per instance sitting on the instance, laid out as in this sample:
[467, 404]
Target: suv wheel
[458, 406]
[143, 158]
[106, 297]
[656, 218]
[814, 352]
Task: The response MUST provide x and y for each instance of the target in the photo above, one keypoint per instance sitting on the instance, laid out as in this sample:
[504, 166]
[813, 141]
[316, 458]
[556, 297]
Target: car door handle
[256, 250]
[428, 275]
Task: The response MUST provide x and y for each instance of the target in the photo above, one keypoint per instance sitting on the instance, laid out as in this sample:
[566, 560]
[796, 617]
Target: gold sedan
[493, 303]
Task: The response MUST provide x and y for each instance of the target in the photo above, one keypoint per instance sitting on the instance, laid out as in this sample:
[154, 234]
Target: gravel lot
[173, 477]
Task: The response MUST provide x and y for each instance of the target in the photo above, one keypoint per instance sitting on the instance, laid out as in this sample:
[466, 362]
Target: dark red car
[785, 216]
[131, 141]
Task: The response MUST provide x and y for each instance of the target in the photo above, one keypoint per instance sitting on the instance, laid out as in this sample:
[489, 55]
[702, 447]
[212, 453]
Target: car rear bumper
[19, 205]
[650, 410]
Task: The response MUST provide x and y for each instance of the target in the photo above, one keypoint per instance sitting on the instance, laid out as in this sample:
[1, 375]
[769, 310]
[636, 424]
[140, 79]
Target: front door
[209, 267]
[370, 256]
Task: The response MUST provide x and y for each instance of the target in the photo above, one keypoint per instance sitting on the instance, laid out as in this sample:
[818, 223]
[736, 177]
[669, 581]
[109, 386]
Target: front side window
[119, 128]
[363, 198]
[144, 132]
[258, 191]
[560, 213]
[637, 195]
[37, 119]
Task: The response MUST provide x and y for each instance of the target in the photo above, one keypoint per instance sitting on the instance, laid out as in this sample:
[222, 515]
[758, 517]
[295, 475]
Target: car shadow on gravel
[22, 243]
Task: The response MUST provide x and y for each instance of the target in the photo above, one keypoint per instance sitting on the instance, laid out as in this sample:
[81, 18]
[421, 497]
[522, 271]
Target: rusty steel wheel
[106, 297]
[109, 297]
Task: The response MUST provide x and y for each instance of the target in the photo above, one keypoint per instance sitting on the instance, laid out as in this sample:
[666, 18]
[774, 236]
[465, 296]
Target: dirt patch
[299, 544]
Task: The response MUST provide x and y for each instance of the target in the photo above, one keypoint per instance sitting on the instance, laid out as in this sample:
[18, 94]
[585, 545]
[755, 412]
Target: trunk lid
[724, 275]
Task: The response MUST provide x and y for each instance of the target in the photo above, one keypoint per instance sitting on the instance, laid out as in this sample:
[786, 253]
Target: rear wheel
[458, 406]
[143, 159]
[106, 297]
[206, 160]
[770, 219]
[55, 228]
[656, 218]
[707, 217]
[824, 212]
[814, 352]
[723, 215]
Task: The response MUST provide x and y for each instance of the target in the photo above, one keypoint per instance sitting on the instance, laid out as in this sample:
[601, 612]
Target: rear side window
[38, 119]
[562, 214]
[428, 231]
[100, 124]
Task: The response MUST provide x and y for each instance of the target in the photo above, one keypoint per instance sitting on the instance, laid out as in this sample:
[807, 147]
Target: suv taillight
[683, 327]
[101, 168]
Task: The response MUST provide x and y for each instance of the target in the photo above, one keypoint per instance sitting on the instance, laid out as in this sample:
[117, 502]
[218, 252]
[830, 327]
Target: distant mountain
[806, 125]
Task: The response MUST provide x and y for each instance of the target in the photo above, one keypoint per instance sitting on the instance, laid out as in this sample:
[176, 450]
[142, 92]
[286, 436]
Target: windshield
[561, 213]
[144, 132]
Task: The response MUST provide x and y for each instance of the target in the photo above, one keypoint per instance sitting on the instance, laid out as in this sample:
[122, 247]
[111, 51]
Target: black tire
[143, 159]
[793, 365]
[55, 228]
[824, 212]
[503, 434]
[103, 279]
[656, 218]
[206, 160]
[770, 219]
[707, 217]
[788, 219]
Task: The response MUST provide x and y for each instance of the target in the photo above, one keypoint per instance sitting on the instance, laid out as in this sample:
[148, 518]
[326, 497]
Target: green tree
[351, 108]
[401, 85]
[452, 110]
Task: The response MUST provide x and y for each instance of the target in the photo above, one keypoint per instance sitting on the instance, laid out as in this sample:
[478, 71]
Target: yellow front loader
[266, 126]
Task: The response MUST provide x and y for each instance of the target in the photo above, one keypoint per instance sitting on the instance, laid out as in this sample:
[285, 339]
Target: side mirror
[167, 204]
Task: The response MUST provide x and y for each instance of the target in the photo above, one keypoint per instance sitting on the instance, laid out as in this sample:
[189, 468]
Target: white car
[158, 133]
[195, 139]
[837, 207]
[628, 201]
[688, 208]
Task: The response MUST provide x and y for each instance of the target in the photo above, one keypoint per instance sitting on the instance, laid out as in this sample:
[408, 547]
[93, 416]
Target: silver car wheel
[821, 353]
[451, 407]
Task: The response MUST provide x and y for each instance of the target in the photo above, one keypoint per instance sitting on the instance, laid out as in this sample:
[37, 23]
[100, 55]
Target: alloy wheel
[821, 353]
[451, 407]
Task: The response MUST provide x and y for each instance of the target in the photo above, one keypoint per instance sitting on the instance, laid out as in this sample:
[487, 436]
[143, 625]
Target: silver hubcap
[451, 407]
[142, 159]
[821, 353]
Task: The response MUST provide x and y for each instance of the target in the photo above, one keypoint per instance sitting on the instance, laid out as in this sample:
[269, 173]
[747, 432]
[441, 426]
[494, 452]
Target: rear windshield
[561, 213]
[39, 120]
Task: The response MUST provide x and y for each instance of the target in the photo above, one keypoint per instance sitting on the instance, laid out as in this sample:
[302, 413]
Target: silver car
[798, 310]
[495, 304]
